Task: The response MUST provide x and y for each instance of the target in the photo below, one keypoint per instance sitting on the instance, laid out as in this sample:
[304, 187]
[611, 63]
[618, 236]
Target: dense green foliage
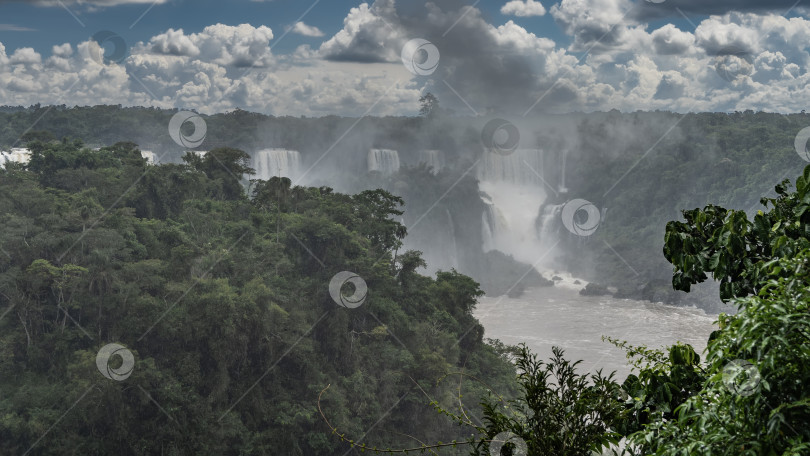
[223, 298]
[734, 249]
[754, 395]
[665, 381]
[224, 302]
[560, 412]
[756, 400]
[644, 167]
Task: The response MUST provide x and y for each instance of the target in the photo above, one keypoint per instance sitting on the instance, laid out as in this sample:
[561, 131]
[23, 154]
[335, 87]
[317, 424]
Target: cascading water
[547, 221]
[523, 167]
[452, 225]
[385, 161]
[277, 162]
[433, 159]
[493, 222]
[514, 192]
[16, 155]
[150, 157]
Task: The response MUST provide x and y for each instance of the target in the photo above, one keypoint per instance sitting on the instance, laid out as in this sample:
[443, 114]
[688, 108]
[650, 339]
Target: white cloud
[307, 30]
[523, 8]
[62, 50]
[366, 35]
[240, 46]
[491, 67]
[25, 56]
[595, 25]
[15, 28]
[174, 42]
[670, 40]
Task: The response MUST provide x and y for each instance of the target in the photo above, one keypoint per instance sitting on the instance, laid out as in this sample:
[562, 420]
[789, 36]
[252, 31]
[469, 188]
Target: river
[559, 315]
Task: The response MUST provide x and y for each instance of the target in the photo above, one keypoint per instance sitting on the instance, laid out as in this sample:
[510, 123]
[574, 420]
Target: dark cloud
[483, 67]
[646, 10]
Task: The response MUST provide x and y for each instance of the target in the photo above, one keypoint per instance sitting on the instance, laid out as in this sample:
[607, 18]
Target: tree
[756, 397]
[428, 105]
[37, 135]
[225, 165]
[560, 412]
[225, 305]
[733, 249]
[755, 394]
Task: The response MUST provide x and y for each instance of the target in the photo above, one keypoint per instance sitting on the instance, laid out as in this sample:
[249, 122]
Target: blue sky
[514, 56]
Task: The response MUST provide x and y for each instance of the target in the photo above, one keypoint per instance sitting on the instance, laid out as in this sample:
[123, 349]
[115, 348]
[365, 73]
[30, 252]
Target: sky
[344, 57]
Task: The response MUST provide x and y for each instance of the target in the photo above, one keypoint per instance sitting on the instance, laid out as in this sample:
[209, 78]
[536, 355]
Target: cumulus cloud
[669, 40]
[240, 46]
[25, 55]
[719, 36]
[485, 67]
[306, 30]
[174, 42]
[523, 8]
[595, 25]
[482, 66]
[366, 35]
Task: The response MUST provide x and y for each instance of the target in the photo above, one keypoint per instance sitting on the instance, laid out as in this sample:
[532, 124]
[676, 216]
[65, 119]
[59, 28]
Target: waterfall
[15, 155]
[454, 253]
[277, 162]
[522, 167]
[513, 191]
[385, 161]
[493, 223]
[433, 159]
[547, 222]
[150, 156]
[486, 233]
